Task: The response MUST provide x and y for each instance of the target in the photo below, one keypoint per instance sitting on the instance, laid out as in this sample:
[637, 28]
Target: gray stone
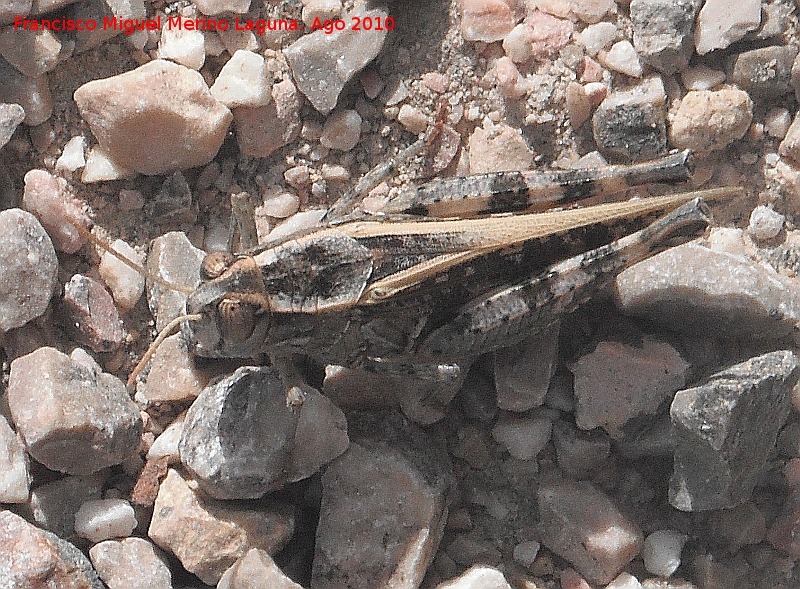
[632, 124]
[764, 72]
[697, 290]
[10, 9]
[31, 558]
[171, 374]
[522, 374]
[581, 524]
[11, 115]
[662, 32]
[256, 564]
[73, 417]
[323, 63]
[29, 267]
[32, 94]
[54, 505]
[383, 507]
[208, 536]
[174, 259]
[725, 429]
[262, 130]
[97, 10]
[32, 52]
[246, 436]
[15, 480]
[172, 204]
[580, 453]
[90, 314]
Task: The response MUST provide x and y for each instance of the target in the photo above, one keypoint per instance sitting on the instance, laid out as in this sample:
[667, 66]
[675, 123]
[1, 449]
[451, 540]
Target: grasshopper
[413, 295]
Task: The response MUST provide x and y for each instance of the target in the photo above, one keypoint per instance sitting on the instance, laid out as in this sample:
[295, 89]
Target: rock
[73, 417]
[131, 563]
[297, 222]
[790, 146]
[125, 283]
[15, 480]
[97, 11]
[54, 505]
[626, 581]
[738, 527]
[477, 577]
[214, 7]
[662, 32]
[702, 78]
[588, 11]
[172, 258]
[765, 72]
[263, 130]
[90, 314]
[597, 37]
[662, 552]
[47, 197]
[622, 58]
[158, 118]
[383, 507]
[208, 536]
[765, 223]
[256, 564]
[693, 289]
[101, 168]
[172, 204]
[323, 63]
[631, 124]
[522, 374]
[720, 23]
[9, 9]
[243, 81]
[523, 437]
[182, 44]
[171, 374]
[487, 20]
[580, 453]
[582, 525]
[540, 37]
[32, 94]
[320, 9]
[32, 52]
[11, 115]
[578, 104]
[342, 130]
[166, 444]
[776, 122]
[498, 148]
[707, 120]
[72, 157]
[281, 205]
[725, 429]
[35, 559]
[103, 519]
[244, 436]
[618, 382]
[29, 268]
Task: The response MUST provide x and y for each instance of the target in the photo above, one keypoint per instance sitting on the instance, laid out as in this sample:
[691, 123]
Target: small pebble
[412, 119]
[331, 173]
[707, 119]
[131, 563]
[721, 23]
[486, 20]
[597, 37]
[256, 564]
[518, 44]
[281, 206]
[262, 130]
[662, 552]
[496, 148]
[588, 11]
[11, 115]
[91, 315]
[525, 552]
[166, 444]
[342, 130]
[101, 168]
[214, 7]
[47, 197]
[524, 438]
[622, 58]
[320, 9]
[777, 122]
[702, 78]
[103, 519]
[72, 157]
[32, 52]
[579, 106]
[764, 72]
[243, 81]
[765, 223]
[182, 45]
[15, 480]
[625, 581]
[125, 283]
[436, 81]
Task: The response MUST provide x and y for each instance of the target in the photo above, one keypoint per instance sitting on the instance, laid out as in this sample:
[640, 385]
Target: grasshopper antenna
[164, 334]
[125, 259]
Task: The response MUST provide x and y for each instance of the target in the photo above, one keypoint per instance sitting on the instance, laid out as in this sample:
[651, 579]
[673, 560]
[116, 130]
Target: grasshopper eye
[215, 263]
[237, 319]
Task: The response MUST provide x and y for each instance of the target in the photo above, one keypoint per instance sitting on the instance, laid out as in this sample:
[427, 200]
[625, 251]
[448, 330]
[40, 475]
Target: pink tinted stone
[550, 34]
[260, 131]
[47, 197]
[487, 20]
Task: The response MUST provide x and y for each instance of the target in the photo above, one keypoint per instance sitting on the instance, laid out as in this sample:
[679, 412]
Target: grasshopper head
[233, 306]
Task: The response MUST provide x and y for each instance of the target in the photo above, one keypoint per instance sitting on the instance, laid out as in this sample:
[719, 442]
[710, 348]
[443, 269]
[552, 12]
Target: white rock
[72, 157]
[478, 577]
[625, 581]
[15, 481]
[708, 119]
[662, 552]
[335, 173]
[125, 283]
[518, 44]
[243, 81]
[597, 37]
[622, 58]
[721, 23]
[167, 443]
[281, 205]
[182, 45]
[298, 222]
[765, 223]
[101, 168]
[102, 519]
[524, 438]
[777, 122]
[133, 563]
[256, 564]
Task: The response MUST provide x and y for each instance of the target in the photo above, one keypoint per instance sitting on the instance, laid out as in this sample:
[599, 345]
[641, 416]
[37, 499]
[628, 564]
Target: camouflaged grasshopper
[420, 296]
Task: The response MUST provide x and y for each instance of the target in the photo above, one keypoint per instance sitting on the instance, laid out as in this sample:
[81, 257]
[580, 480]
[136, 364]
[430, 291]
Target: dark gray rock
[764, 72]
[725, 428]
[662, 32]
[29, 265]
[383, 507]
[632, 124]
[245, 435]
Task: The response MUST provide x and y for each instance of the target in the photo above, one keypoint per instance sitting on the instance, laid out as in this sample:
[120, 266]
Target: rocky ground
[650, 440]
